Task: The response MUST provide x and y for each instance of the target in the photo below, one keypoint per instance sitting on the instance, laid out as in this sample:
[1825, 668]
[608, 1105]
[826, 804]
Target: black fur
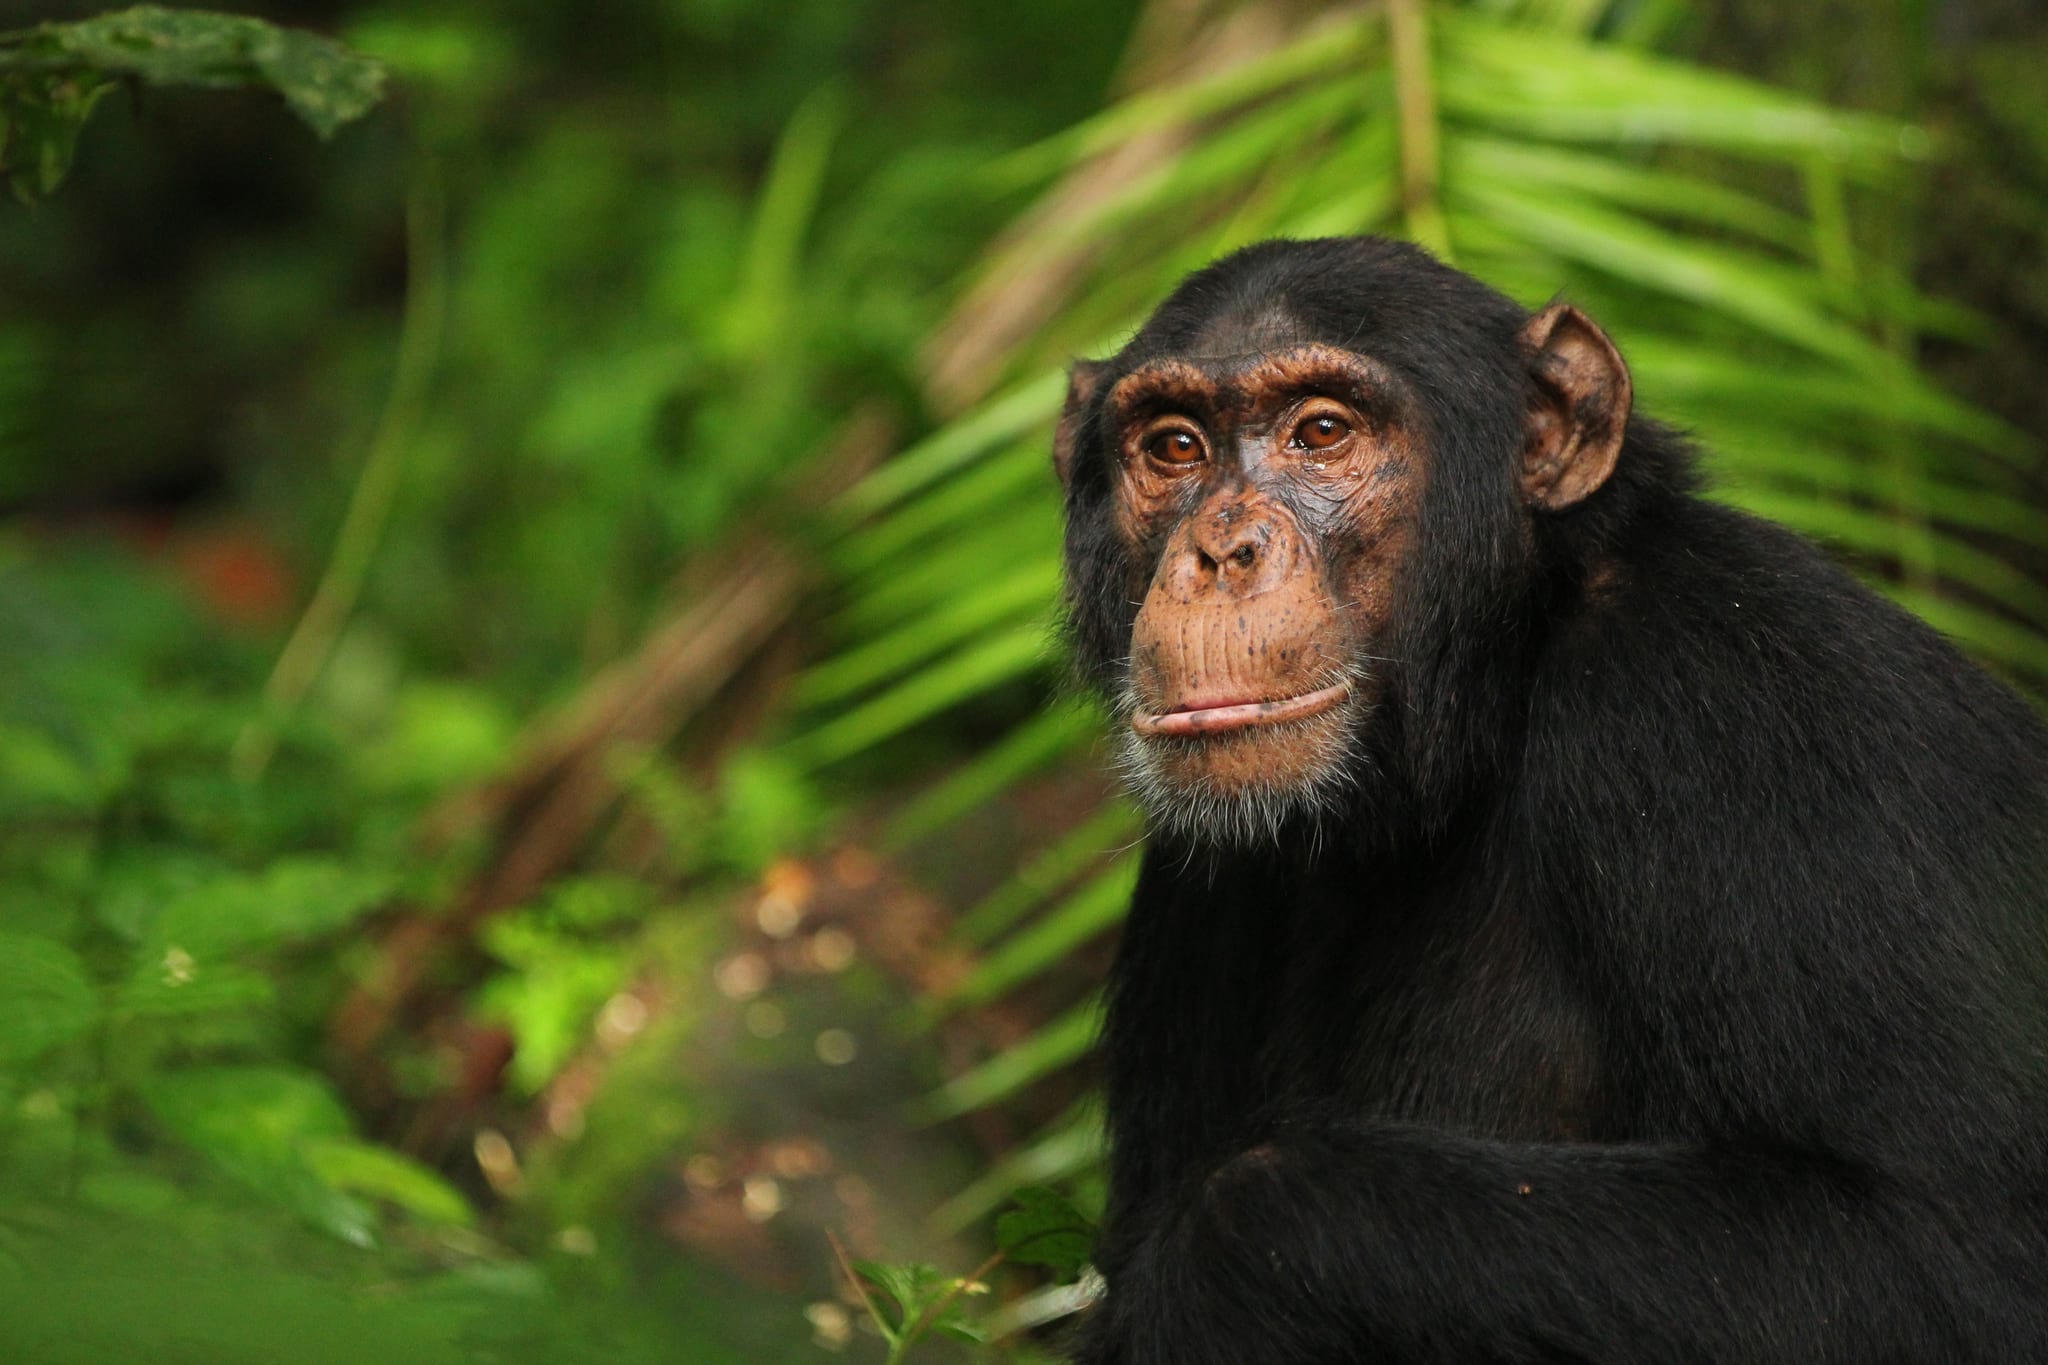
[1677, 987]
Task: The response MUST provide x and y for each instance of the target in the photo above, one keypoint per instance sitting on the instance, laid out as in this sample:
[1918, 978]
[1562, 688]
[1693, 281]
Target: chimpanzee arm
[1396, 1243]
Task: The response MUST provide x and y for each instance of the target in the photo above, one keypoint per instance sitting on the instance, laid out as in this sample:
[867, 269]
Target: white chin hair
[1201, 811]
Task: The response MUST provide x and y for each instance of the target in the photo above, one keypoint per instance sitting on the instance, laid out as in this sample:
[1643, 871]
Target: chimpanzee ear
[1082, 381]
[1580, 411]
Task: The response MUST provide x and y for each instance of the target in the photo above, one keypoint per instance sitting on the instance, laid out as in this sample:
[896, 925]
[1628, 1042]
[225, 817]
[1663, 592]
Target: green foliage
[913, 1301]
[173, 940]
[40, 119]
[635, 325]
[213, 1279]
[644, 321]
[662, 285]
[291, 900]
[767, 807]
[284, 1135]
[562, 961]
[53, 75]
[50, 998]
[1046, 1229]
[146, 990]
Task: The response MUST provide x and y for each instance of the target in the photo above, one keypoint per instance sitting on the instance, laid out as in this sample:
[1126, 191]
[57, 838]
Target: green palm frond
[1708, 220]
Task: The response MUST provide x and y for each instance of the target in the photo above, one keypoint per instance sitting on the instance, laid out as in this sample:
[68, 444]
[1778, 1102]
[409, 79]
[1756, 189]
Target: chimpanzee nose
[1230, 548]
[1236, 550]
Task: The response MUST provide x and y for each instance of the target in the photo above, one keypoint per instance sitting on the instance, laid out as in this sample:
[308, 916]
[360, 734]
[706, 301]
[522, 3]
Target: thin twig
[914, 1329]
[369, 508]
[939, 1305]
[1421, 154]
[853, 1279]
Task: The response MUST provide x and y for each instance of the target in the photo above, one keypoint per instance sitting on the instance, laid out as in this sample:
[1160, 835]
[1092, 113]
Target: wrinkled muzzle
[1236, 617]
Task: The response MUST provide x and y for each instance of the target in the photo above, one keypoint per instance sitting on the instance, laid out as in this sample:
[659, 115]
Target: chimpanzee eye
[1321, 432]
[1174, 445]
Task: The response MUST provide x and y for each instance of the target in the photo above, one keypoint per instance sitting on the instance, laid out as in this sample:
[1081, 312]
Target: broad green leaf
[46, 997]
[1748, 458]
[910, 1293]
[1046, 1229]
[1677, 373]
[557, 985]
[441, 734]
[1367, 206]
[1773, 297]
[1995, 637]
[1860, 528]
[41, 118]
[1216, 164]
[176, 985]
[759, 314]
[373, 1172]
[230, 1109]
[53, 75]
[38, 773]
[769, 808]
[291, 900]
[259, 1125]
[1346, 185]
[322, 81]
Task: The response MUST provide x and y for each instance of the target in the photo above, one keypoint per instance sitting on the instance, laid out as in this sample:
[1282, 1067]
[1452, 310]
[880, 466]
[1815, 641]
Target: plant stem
[915, 1332]
[1415, 102]
[867, 1300]
[1919, 554]
[369, 508]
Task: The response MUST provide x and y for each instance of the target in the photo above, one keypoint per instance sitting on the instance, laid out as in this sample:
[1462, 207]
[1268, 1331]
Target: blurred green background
[539, 816]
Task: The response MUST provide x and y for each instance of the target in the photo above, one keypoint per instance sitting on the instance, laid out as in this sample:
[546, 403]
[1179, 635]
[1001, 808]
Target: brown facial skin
[1280, 493]
[1244, 654]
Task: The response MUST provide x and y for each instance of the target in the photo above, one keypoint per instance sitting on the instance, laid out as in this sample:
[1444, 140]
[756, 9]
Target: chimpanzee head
[1305, 507]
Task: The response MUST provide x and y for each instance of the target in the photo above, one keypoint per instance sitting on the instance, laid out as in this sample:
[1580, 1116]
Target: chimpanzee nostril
[1239, 549]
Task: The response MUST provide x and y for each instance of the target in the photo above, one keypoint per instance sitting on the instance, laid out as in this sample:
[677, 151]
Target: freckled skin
[1249, 615]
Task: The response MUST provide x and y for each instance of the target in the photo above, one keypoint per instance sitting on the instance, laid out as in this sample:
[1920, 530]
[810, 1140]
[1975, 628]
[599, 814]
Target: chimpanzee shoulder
[1741, 758]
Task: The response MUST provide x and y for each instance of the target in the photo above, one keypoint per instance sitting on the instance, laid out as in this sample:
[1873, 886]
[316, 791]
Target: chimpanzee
[1580, 922]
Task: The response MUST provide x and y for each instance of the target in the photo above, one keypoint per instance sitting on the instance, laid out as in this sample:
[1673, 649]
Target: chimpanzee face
[1274, 494]
[1261, 491]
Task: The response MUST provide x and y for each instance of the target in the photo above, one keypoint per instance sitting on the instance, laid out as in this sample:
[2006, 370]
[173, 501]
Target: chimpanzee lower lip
[1216, 720]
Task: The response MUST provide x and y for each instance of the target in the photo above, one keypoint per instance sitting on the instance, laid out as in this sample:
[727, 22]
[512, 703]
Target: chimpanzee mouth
[1221, 769]
[1194, 722]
